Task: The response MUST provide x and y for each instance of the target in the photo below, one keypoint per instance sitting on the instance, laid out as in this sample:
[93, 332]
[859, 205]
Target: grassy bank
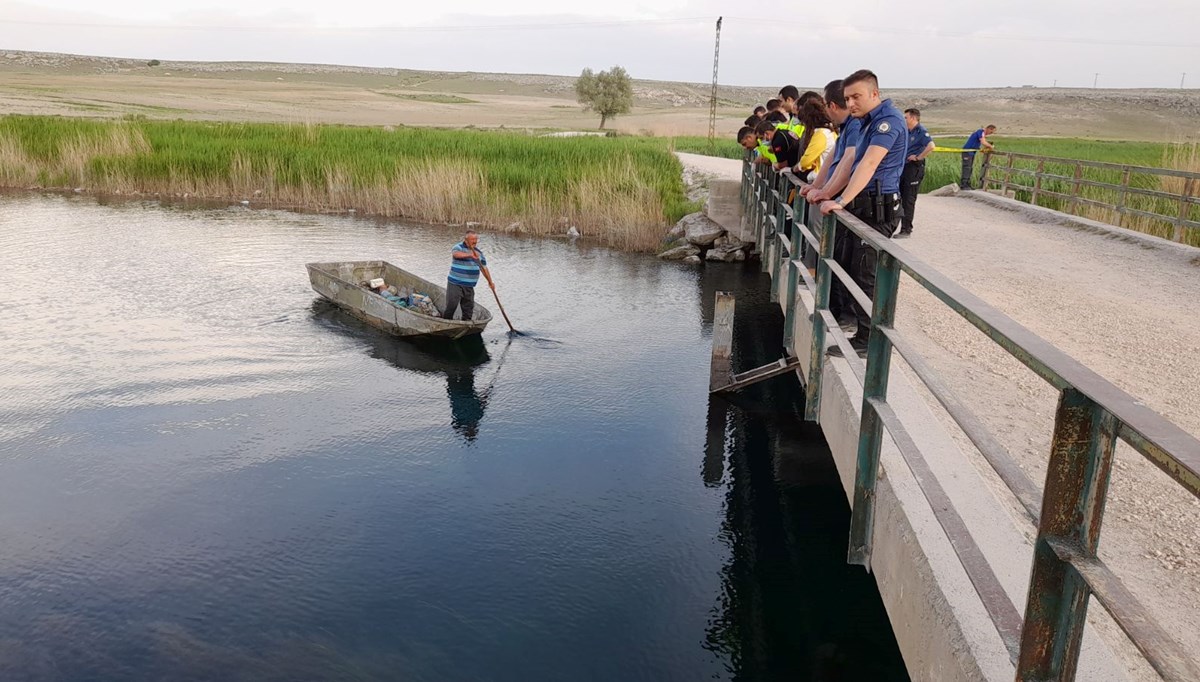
[622, 191]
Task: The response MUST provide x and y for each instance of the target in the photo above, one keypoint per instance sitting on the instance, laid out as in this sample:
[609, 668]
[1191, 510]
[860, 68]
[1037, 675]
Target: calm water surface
[206, 473]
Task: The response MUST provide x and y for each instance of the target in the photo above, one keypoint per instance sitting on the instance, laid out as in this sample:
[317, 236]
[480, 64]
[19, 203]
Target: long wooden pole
[497, 296]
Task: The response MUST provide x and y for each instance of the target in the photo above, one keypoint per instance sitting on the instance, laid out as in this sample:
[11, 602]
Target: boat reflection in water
[458, 360]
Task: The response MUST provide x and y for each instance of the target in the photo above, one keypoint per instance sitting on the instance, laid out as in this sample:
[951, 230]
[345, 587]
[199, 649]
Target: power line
[712, 102]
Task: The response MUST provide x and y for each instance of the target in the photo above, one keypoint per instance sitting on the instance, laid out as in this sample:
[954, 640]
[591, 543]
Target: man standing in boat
[465, 267]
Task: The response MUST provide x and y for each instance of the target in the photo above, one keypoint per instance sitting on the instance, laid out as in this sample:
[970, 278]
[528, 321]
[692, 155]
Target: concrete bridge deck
[1125, 305]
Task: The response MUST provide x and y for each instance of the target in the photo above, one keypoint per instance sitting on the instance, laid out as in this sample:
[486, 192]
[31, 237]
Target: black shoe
[835, 351]
[902, 234]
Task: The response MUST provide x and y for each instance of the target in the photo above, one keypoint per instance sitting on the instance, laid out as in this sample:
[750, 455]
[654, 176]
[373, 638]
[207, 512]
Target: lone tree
[607, 93]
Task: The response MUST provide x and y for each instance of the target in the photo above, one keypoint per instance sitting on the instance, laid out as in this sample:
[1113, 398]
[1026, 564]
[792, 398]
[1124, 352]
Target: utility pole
[1095, 80]
[1055, 83]
[712, 102]
[1182, 79]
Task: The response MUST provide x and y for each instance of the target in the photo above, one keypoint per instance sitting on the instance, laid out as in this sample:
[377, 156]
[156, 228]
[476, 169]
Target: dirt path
[710, 166]
[1126, 310]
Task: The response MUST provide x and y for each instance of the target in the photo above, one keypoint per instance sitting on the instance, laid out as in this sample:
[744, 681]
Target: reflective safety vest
[793, 126]
[765, 151]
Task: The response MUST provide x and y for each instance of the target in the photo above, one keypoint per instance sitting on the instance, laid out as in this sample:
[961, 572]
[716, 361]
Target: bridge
[1035, 374]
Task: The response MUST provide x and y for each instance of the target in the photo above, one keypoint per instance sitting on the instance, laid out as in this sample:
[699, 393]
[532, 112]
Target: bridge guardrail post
[1184, 208]
[870, 432]
[1037, 182]
[755, 197]
[1075, 188]
[1007, 175]
[789, 311]
[1123, 195]
[768, 231]
[780, 194]
[816, 356]
[1077, 477]
[764, 205]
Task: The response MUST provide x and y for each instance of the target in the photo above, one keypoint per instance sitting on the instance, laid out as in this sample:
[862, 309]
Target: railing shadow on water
[1092, 415]
[457, 360]
[789, 606]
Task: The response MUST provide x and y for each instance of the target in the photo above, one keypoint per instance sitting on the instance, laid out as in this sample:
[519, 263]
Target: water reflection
[786, 524]
[227, 482]
[458, 360]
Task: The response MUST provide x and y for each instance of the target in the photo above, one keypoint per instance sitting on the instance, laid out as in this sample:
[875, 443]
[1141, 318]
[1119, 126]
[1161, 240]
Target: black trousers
[968, 169]
[458, 294]
[841, 305]
[864, 258]
[910, 186]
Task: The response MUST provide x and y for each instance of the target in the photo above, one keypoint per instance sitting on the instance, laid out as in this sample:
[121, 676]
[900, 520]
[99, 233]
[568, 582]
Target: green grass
[623, 190]
[946, 168]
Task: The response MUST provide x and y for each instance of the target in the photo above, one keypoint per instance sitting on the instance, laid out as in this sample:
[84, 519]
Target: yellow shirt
[816, 153]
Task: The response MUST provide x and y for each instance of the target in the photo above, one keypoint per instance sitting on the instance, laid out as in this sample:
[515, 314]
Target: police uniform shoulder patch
[884, 127]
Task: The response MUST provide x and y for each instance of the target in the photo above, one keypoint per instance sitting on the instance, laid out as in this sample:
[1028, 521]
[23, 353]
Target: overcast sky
[922, 43]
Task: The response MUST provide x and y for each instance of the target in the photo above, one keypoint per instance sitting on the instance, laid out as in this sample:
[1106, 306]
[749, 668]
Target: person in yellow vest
[784, 145]
[749, 139]
[792, 101]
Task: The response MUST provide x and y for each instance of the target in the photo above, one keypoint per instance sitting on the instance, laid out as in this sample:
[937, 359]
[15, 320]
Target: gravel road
[1128, 311]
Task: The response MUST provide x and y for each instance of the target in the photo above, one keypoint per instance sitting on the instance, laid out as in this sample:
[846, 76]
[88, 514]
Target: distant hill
[49, 83]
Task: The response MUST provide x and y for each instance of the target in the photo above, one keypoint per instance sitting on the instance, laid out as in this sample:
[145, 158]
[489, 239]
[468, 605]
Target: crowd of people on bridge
[853, 150]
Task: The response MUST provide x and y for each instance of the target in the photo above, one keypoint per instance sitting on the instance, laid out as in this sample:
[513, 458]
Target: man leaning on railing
[873, 192]
[828, 184]
[977, 140]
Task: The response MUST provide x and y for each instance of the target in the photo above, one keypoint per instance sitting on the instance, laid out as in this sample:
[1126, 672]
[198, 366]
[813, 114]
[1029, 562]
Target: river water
[208, 473]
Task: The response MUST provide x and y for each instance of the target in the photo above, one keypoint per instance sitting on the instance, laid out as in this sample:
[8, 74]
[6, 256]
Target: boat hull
[339, 282]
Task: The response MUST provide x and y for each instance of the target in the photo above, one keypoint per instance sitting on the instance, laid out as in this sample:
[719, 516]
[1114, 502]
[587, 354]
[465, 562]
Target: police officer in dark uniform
[829, 184]
[920, 145]
[873, 193]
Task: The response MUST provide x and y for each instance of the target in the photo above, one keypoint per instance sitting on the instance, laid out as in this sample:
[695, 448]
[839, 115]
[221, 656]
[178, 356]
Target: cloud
[934, 43]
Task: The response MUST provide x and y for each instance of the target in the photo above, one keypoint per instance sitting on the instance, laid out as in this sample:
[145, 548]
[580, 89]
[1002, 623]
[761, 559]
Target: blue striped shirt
[465, 271]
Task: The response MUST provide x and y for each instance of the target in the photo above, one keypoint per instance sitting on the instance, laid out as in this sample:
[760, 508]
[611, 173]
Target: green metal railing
[1092, 414]
[1159, 201]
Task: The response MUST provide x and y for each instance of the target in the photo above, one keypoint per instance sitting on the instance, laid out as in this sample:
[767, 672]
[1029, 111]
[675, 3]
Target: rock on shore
[697, 237]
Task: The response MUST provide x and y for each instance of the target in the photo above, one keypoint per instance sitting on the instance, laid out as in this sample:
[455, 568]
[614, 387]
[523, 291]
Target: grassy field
[622, 191]
[944, 169]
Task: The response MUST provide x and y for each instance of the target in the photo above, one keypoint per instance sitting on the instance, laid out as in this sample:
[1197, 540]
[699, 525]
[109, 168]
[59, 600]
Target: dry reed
[620, 191]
